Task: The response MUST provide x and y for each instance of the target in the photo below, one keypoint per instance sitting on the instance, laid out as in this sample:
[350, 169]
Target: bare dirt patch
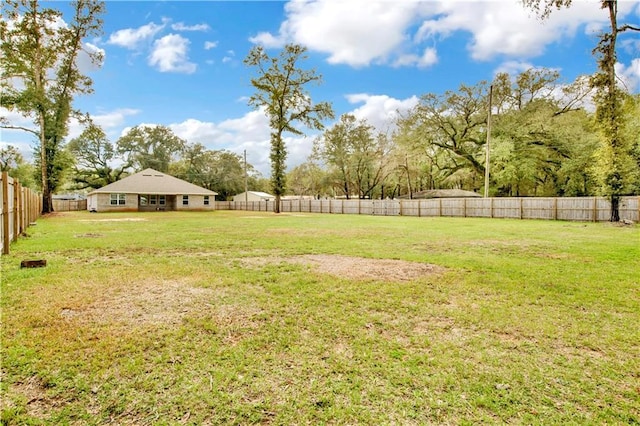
[164, 302]
[357, 268]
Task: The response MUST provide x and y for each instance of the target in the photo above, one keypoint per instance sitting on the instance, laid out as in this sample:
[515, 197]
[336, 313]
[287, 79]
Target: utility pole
[487, 162]
[246, 189]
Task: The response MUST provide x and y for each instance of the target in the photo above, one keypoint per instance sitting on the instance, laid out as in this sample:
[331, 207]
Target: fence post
[555, 208]
[5, 213]
[16, 209]
[595, 209]
[520, 208]
[439, 207]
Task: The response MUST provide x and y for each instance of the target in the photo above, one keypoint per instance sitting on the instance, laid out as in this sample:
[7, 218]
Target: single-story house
[254, 196]
[150, 190]
[441, 193]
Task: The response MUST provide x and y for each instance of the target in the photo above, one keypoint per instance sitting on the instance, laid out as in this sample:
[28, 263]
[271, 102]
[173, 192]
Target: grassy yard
[245, 317]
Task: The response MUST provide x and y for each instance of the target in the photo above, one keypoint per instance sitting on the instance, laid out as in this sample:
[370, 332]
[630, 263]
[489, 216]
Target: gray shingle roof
[150, 181]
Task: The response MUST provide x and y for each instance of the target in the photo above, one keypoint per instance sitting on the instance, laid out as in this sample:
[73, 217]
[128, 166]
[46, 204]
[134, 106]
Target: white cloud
[513, 67]
[230, 56]
[380, 111]
[132, 38]
[352, 32]
[428, 58]
[359, 32]
[181, 26]
[629, 75]
[85, 63]
[208, 45]
[268, 40]
[170, 55]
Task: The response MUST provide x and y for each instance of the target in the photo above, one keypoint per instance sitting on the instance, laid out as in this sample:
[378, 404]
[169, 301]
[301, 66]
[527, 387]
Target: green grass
[198, 318]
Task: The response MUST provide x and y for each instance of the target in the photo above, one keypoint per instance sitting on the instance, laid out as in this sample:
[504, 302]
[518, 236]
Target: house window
[206, 200]
[118, 199]
[143, 200]
[153, 200]
[162, 200]
[185, 200]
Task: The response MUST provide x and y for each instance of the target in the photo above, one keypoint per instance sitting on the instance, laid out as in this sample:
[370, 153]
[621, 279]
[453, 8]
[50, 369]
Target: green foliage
[40, 74]
[281, 92]
[150, 147]
[94, 156]
[220, 171]
[309, 178]
[356, 157]
[12, 162]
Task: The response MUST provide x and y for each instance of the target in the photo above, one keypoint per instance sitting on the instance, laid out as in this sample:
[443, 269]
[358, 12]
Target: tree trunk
[610, 62]
[615, 208]
[276, 206]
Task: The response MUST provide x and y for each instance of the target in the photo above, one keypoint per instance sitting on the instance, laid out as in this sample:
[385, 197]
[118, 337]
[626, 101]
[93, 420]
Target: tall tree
[96, 159]
[453, 125]
[356, 155]
[615, 151]
[280, 90]
[151, 147]
[40, 74]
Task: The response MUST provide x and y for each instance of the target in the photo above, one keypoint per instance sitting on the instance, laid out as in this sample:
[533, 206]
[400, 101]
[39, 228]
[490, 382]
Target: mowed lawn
[257, 318]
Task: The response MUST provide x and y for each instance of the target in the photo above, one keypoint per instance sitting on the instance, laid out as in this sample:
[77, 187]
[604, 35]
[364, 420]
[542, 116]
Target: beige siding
[196, 202]
[102, 203]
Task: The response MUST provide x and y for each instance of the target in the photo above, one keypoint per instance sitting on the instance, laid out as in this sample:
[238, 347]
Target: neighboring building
[150, 190]
[254, 196]
[441, 193]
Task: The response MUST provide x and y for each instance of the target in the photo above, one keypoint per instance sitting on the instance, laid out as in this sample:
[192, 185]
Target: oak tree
[281, 91]
[41, 74]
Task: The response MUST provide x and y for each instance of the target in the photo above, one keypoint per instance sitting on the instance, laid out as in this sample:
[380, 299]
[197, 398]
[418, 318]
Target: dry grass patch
[153, 302]
[354, 268]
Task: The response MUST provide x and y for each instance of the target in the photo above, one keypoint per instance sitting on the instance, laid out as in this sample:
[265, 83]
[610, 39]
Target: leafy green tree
[153, 147]
[12, 162]
[356, 155]
[280, 90]
[308, 178]
[10, 158]
[220, 171]
[40, 75]
[451, 126]
[95, 159]
[614, 160]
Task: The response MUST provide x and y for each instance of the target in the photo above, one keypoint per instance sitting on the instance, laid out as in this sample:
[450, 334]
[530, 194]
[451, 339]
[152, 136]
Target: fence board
[19, 207]
[547, 208]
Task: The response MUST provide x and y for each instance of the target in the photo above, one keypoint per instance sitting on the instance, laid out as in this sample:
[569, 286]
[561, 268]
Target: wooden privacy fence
[69, 205]
[594, 209]
[20, 207]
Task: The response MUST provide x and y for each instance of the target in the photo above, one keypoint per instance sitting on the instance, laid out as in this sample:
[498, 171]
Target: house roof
[257, 194]
[442, 193]
[151, 181]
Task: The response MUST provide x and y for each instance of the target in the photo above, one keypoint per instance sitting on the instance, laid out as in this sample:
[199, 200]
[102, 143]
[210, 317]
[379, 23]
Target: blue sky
[179, 63]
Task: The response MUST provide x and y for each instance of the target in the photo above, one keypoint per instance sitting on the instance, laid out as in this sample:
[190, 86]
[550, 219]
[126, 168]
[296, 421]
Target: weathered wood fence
[20, 207]
[594, 209]
[69, 205]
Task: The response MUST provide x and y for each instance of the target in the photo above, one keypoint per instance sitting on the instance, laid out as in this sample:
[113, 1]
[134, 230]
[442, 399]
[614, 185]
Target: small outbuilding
[150, 190]
[254, 196]
[441, 193]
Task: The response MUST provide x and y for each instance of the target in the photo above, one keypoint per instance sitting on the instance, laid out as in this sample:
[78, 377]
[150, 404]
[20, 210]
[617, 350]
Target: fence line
[69, 205]
[591, 209]
[20, 207]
